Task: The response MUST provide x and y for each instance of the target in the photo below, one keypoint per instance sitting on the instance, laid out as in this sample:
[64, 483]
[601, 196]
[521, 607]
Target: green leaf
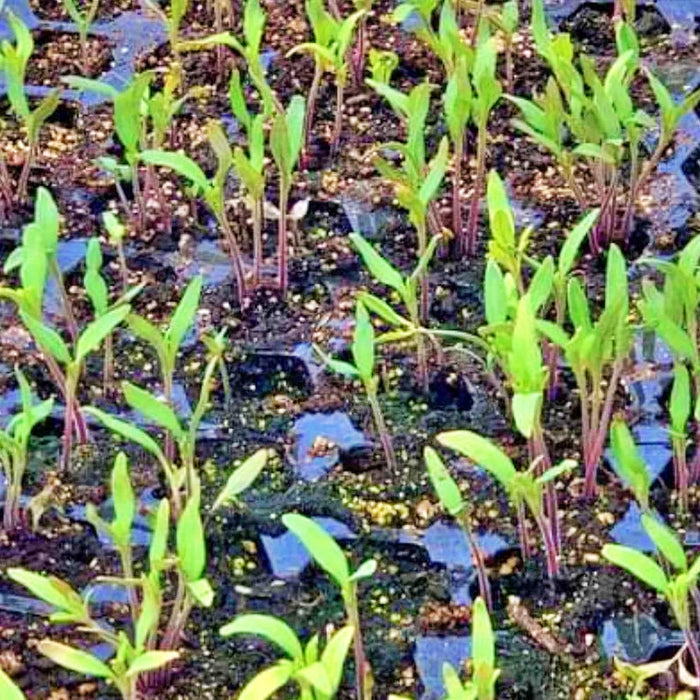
[365, 570]
[98, 330]
[159, 541]
[189, 538]
[436, 173]
[445, 486]
[572, 244]
[152, 408]
[270, 628]
[185, 313]
[628, 463]
[321, 546]
[363, 343]
[380, 268]
[666, 541]
[47, 588]
[480, 451]
[267, 682]
[565, 466]
[180, 163]
[48, 340]
[317, 677]
[382, 309]
[124, 500]
[150, 661]
[128, 431]
[483, 642]
[638, 564]
[679, 404]
[241, 478]
[74, 659]
[202, 592]
[526, 411]
[8, 690]
[334, 656]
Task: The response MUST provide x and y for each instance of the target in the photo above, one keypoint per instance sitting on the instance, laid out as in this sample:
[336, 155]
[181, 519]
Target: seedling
[449, 494]
[8, 689]
[514, 341]
[42, 236]
[14, 449]
[13, 64]
[286, 141]
[484, 674]
[524, 489]
[363, 368]
[98, 293]
[596, 350]
[679, 587]
[250, 165]
[582, 118]
[417, 183]
[404, 328]
[330, 51]
[138, 656]
[83, 18]
[318, 674]
[331, 558]
[672, 313]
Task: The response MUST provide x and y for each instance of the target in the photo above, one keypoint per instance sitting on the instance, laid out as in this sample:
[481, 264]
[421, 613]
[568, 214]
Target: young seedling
[524, 489]
[331, 558]
[13, 64]
[250, 166]
[486, 91]
[43, 232]
[318, 674]
[359, 50]
[8, 689]
[363, 368]
[679, 587]
[98, 293]
[418, 182]
[596, 351]
[286, 141]
[14, 449]
[449, 494]
[457, 105]
[582, 118]
[672, 313]
[83, 18]
[330, 51]
[484, 674]
[131, 661]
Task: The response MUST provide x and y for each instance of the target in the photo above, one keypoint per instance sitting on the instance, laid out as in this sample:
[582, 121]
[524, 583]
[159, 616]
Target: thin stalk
[234, 251]
[478, 560]
[71, 322]
[338, 124]
[168, 395]
[694, 654]
[457, 221]
[138, 197]
[549, 546]
[128, 569]
[311, 105]
[382, 430]
[172, 630]
[358, 52]
[541, 453]
[510, 74]
[523, 537]
[59, 379]
[257, 239]
[680, 470]
[468, 242]
[108, 369]
[602, 431]
[71, 386]
[24, 175]
[282, 263]
[424, 282]
[477, 21]
[363, 670]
